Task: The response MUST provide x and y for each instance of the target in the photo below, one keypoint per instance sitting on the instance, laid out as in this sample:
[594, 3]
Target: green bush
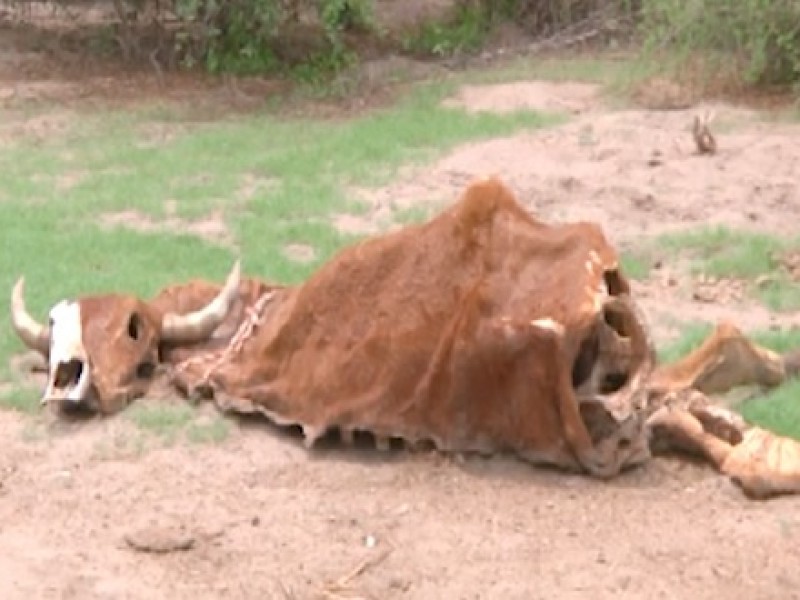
[240, 36]
[231, 36]
[464, 31]
[470, 22]
[759, 38]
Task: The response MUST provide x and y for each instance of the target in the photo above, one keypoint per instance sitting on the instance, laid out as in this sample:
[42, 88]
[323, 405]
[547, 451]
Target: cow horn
[199, 325]
[35, 335]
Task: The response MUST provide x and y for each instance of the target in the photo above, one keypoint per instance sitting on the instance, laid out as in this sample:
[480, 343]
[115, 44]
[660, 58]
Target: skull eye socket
[135, 326]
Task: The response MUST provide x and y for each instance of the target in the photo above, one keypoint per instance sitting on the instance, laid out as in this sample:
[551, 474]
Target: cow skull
[81, 372]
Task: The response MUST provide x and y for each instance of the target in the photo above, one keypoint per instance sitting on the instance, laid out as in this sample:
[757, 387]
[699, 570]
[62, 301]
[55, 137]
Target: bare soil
[100, 509]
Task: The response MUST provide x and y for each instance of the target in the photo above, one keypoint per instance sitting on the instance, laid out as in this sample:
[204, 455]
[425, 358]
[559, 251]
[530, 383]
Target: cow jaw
[70, 378]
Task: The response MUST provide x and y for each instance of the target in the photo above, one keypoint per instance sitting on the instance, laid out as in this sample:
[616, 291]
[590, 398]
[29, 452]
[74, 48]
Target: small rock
[159, 540]
[704, 296]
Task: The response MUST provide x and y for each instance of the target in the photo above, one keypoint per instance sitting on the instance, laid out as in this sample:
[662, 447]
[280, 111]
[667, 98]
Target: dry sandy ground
[258, 516]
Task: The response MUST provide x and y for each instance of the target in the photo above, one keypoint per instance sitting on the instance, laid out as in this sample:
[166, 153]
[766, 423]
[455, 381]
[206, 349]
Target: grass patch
[21, 398]
[634, 266]
[725, 253]
[174, 422]
[147, 160]
[778, 410]
[779, 341]
[213, 431]
[779, 294]
[165, 421]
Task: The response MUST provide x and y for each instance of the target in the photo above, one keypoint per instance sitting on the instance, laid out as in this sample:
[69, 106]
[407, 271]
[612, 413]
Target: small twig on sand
[703, 138]
[341, 588]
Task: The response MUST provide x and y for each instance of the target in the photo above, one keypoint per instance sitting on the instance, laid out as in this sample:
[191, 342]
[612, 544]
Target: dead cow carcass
[482, 330]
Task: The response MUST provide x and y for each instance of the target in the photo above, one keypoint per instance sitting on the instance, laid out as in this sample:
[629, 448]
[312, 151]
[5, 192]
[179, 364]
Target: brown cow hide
[472, 331]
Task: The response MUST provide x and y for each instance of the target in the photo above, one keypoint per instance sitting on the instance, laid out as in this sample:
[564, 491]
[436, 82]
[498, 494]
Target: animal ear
[135, 325]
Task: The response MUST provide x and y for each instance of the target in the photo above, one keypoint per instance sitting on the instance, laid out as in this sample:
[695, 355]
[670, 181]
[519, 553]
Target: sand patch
[299, 253]
[635, 172]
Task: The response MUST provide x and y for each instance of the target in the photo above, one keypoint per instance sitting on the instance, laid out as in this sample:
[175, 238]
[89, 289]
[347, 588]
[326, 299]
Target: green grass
[634, 266]
[21, 398]
[171, 422]
[723, 252]
[52, 235]
[778, 410]
[213, 431]
[780, 294]
[165, 421]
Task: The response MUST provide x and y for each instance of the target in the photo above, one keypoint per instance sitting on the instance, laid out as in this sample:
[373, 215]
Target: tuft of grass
[165, 421]
[780, 340]
[21, 398]
[778, 410]
[174, 422]
[779, 294]
[634, 266]
[722, 252]
[213, 431]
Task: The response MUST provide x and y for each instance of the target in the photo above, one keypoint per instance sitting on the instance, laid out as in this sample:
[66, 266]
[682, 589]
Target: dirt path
[265, 518]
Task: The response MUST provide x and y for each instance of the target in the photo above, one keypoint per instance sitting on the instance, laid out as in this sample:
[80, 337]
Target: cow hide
[482, 330]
